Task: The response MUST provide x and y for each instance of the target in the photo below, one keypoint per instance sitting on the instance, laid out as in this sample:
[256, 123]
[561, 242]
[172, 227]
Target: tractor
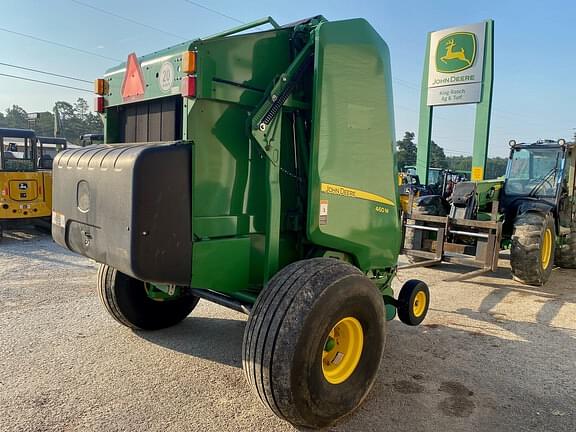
[254, 170]
[538, 207]
[531, 212]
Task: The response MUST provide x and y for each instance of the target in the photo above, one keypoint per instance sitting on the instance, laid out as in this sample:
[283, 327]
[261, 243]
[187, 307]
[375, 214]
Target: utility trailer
[256, 171]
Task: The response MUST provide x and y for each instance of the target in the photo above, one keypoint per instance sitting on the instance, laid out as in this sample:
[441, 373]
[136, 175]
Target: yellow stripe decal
[353, 193]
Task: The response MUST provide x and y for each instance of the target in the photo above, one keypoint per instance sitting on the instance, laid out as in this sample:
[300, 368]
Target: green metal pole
[484, 108]
[425, 124]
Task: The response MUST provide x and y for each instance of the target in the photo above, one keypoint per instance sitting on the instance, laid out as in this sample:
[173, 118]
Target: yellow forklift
[25, 189]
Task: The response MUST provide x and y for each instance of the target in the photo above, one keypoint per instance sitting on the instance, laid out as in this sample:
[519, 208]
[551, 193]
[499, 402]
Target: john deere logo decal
[455, 52]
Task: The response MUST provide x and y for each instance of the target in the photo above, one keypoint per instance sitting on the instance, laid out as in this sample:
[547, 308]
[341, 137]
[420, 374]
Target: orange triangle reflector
[133, 84]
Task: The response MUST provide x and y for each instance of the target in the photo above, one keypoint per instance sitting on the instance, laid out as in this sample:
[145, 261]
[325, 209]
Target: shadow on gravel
[44, 257]
[451, 379]
[23, 234]
[214, 339]
[455, 269]
[558, 291]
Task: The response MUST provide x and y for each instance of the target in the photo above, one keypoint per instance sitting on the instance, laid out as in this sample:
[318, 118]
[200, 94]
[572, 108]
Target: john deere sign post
[458, 69]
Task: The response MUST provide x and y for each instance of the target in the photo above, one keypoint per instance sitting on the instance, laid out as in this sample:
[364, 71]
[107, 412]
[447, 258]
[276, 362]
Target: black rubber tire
[565, 254]
[406, 300]
[286, 333]
[525, 257]
[126, 301]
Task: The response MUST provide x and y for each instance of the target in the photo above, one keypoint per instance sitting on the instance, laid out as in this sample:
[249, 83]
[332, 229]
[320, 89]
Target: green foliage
[406, 151]
[75, 119]
[15, 117]
[495, 167]
[437, 156]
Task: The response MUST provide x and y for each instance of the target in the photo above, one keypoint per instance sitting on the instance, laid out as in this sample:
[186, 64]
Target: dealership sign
[456, 64]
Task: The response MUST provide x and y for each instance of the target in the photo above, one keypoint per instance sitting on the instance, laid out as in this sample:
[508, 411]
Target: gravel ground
[493, 355]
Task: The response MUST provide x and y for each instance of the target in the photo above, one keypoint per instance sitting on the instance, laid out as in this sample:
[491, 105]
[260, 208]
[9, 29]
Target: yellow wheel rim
[546, 249]
[342, 350]
[419, 305]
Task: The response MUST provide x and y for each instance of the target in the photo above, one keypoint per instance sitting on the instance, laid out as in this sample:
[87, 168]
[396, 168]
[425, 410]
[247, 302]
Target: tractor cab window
[18, 154]
[534, 172]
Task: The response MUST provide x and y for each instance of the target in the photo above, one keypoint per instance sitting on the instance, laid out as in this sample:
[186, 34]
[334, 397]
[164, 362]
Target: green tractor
[255, 171]
[537, 203]
[531, 211]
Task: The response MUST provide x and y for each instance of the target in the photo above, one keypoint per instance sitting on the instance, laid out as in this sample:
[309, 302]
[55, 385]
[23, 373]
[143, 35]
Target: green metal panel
[251, 60]
[150, 66]
[211, 271]
[424, 125]
[221, 62]
[231, 178]
[488, 191]
[352, 168]
[484, 108]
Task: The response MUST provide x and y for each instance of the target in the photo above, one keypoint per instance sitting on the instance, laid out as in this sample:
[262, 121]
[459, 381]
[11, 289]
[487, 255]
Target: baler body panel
[353, 197]
[333, 138]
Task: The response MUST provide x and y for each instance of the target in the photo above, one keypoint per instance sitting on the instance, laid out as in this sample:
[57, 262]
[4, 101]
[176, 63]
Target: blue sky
[535, 47]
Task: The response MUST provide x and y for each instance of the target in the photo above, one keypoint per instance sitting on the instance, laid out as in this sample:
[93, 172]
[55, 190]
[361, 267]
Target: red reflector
[133, 84]
[189, 86]
[99, 104]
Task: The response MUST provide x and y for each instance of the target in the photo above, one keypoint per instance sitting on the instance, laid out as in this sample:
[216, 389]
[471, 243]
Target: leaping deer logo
[454, 55]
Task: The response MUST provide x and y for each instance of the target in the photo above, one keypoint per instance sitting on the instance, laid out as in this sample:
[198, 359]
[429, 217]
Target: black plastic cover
[128, 206]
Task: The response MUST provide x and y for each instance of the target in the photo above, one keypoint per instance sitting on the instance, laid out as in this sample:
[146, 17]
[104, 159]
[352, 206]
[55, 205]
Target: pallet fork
[453, 239]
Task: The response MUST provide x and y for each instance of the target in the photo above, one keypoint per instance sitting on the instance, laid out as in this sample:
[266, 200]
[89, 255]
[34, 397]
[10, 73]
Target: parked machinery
[25, 189]
[531, 211]
[256, 171]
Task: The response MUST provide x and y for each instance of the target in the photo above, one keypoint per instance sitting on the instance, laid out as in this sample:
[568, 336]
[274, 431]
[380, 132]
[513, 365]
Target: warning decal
[323, 212]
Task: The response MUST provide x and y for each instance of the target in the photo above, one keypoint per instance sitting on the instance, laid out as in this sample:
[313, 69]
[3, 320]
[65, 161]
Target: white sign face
[166, 76]
[456, 64]
[455, 94]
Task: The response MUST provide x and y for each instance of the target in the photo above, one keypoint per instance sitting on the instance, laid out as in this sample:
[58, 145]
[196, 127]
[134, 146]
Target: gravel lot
[493, 355]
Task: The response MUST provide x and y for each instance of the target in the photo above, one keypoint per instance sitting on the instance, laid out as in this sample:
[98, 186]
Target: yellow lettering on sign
[477, 173]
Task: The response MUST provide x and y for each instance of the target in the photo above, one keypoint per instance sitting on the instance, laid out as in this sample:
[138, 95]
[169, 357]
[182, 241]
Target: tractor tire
[531, 256]
[126, 300]
[314, 340]
[565, 256]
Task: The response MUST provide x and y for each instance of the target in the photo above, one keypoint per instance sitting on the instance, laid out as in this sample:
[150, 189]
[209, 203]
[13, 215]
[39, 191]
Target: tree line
[406, 156]
[69, 120]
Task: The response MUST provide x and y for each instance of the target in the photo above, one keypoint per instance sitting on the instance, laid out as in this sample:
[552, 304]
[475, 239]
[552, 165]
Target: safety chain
[289, 174]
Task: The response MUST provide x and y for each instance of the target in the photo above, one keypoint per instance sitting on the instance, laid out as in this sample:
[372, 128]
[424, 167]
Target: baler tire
[413, 302]
[565, 254]
[285, 348]
[126, 300]
[527, 260]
